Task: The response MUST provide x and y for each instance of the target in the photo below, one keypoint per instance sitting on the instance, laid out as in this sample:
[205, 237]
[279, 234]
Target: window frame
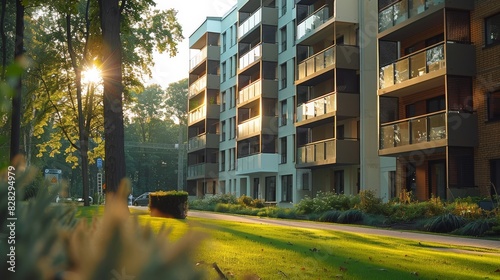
[487, 31]
[488, 104]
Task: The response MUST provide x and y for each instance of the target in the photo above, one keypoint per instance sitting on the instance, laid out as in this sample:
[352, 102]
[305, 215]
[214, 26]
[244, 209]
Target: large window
[284, 112]
[283, 7]
[283, 151]
[222, 161]
[283, 38]
[286, 188]
[492, 29]
[283, 76]
[493, 99]
[338, 176]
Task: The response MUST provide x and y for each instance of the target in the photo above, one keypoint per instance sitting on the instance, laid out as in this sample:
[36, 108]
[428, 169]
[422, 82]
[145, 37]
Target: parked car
[91, 200]
[142, 200]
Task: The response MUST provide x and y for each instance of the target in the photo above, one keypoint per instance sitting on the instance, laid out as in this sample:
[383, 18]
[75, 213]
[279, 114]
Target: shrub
[170, 204]
[323, 202]
[350, 216]
[330, 216]
[245, 201]
[445, 223]
[369, 203]
[470, 210]
[476, 228]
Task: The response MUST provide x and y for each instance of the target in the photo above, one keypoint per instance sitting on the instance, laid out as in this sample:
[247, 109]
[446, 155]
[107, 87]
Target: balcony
[261, 162]
[428, 131]
[259, 88]
[313, 21]
[250, 57]
[329, 151]
[205, 81]
[203, 170]
[429, 63]
[317, 108]
[403, 10]
[199, 57]
[203, 141]
[340, 56]
[202, 112]
[250, 127]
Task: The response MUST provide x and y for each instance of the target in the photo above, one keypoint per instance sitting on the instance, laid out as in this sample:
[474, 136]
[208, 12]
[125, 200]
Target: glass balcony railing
[412, 66]
[315, 108]
[249, 127]
[197, 114]
[403, 10]
[312, 22]
[197, 86]
[250, 57]
[197, 142]
[250, 23]
[317, 151]
[195, 60]
[250, 91]
[316, 62]
[421, 129]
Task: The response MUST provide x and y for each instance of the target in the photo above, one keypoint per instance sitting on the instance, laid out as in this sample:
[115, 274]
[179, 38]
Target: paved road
[420, 237]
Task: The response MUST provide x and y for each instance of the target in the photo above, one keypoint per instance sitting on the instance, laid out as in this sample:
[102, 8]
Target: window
[234, 34]
[283, 38]
[233, 66]
[340, 132]
[286, 188]
[223, 71]
[283, 7]
[493, 100]
[495, 177]
[223, 134]
[223, 103]
[338, 176]
[436, 104]
[411, 110]
[224, 42]
[283, 151]
[492, 28]
[233, 96]
[283, 76]
[284, 112]
[222, 161]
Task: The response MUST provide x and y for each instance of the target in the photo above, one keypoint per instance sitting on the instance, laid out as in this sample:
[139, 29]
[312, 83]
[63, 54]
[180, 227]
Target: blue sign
[99, 163]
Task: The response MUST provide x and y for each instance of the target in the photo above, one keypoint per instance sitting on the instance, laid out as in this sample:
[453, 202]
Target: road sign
[53, 176]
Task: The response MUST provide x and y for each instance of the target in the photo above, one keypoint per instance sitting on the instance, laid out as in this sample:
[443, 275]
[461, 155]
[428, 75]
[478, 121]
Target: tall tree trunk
[113, 89]
[16, 99]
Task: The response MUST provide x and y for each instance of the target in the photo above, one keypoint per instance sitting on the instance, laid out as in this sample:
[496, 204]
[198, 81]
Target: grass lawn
[277, 252]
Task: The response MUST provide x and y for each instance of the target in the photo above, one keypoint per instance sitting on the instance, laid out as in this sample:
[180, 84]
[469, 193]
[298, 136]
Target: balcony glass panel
[437, 127]
[197, 142]
[317, 151]
[250, 91]
[250, 23]
[401, 71]
[195, 60]
[312, 22]
[249, 127]
[398, 71]
[435, 58]
[402, 10]
[387, 76]
[385, 19]
[316, 62]
[197, 86]
[197, 114]
[250, 57]
[427, 128]
[417, 63]
[418, 131]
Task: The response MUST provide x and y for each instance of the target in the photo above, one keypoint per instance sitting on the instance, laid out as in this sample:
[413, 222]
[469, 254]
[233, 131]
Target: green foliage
[476, 228]
[350, 216]
[369, 203]
[445, 223]
[331, 216]
[325, 201]
[50, 241]
[466, 209]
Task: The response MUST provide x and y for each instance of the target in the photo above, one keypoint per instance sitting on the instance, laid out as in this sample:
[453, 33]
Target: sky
[191, 14]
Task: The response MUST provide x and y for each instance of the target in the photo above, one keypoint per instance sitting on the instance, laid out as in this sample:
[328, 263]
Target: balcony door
[271, 188]
[437, 179]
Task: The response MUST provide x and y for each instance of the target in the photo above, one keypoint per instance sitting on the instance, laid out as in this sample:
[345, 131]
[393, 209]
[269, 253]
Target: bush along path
[460, 217]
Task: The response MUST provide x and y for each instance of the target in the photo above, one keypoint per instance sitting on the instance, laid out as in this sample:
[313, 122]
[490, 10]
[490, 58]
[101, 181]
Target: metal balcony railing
[250, 23]
[316, 62]
[196, 59]
[317, 107]
[312, 22]
[403, 10]
[250, 91]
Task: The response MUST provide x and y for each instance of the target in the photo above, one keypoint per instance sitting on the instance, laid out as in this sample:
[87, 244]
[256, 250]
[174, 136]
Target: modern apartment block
[438, 94]
[288, 98]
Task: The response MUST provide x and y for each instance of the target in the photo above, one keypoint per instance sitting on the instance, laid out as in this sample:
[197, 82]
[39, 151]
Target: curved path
[420, 237]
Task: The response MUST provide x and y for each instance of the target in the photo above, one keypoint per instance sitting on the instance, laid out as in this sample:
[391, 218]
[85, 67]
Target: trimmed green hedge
[169, 204]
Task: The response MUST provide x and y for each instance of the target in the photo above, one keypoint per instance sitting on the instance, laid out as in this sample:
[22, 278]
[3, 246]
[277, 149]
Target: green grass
[276, 252]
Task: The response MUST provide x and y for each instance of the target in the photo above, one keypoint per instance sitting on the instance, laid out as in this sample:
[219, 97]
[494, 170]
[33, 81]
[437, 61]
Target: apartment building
[438, 95]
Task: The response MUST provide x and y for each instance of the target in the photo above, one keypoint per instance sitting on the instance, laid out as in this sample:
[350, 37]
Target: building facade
[288, 98]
